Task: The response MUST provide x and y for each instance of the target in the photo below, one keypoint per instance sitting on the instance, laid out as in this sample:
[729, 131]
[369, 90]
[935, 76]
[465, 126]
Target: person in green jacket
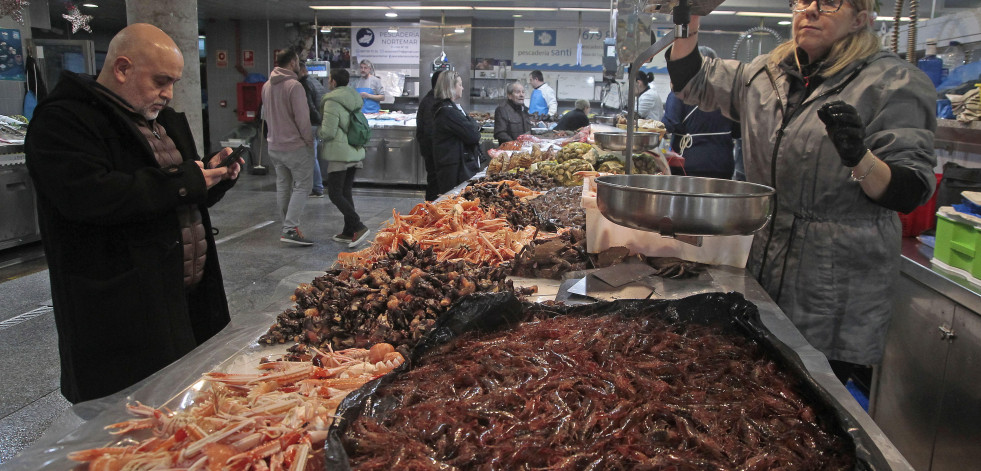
[342, 159]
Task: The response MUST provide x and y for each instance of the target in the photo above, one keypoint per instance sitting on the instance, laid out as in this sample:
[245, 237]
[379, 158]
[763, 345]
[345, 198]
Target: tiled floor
[253, 262]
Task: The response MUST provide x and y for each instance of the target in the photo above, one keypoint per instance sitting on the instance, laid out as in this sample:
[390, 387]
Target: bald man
[122, 204]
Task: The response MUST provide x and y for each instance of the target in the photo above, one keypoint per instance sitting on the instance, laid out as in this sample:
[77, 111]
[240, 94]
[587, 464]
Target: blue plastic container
[933, 66]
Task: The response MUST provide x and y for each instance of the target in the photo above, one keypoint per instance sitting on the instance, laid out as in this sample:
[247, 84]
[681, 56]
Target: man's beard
[151, 114]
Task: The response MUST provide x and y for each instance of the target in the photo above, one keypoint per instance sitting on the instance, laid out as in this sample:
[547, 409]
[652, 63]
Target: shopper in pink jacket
[290, 140]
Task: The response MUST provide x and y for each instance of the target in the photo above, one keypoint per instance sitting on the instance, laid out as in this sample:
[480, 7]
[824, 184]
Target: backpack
[358, 132]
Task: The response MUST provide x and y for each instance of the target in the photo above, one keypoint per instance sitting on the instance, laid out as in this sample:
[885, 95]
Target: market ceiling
[731, 15]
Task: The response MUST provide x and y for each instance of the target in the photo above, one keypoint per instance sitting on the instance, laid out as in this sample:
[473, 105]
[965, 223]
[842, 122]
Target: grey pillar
[179, 19]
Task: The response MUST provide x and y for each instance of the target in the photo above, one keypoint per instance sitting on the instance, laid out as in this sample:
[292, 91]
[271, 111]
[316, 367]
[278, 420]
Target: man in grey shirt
[370, 88]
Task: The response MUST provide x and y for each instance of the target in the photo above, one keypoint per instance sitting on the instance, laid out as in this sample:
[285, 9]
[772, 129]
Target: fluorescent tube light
[765, 14]
[458, 30]
[347, 7]
[604, 10]
[421, 7]
[391, 14]
[515, 8]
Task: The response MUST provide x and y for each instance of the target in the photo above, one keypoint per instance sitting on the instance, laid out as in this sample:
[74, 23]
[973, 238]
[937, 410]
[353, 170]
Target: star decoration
[78, 20]
[13, 9]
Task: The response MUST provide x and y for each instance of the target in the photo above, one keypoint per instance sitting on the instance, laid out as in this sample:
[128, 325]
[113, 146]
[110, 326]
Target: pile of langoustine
[277, 419]
[454, 228]
[601, 392]
[394, 300]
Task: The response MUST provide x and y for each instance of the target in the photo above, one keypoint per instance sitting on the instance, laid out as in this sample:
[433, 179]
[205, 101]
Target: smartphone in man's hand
[233, 157]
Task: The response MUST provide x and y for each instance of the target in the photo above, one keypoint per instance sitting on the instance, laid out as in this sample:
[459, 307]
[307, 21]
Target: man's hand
[214, 175]
[846, 130]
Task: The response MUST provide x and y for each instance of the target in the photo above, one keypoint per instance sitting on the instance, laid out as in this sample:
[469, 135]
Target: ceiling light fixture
[765, 14]
[603, 10]
[325, 29]
[90, 5]
[458, 30]
[391, 14]
[421, 7]
[529, 30]
[722, 12]
[592, 31]
[890, 18]
[514, 9]
[393, 29]
[517, 16]
[347, 7]
[783, 22]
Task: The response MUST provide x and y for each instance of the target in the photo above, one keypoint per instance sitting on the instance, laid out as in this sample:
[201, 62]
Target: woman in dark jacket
[456, 136]
[575, 119]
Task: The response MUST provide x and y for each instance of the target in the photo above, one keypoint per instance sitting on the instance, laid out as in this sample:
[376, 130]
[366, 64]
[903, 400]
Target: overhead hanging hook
[441, 62]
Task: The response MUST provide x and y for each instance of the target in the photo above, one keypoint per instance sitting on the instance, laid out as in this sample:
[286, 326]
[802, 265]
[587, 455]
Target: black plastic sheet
[730, 312]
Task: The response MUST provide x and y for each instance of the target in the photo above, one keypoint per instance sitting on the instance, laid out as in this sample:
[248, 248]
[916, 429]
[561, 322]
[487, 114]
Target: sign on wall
[555, 46]
[248, 58]
[221, 58]
[381, 46]
[11, 55]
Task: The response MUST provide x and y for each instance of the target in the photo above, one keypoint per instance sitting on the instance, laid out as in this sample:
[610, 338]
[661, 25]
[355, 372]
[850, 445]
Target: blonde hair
[445, 85]
[855, 47]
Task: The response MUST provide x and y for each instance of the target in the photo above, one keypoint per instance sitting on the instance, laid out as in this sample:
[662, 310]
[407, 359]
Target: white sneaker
[359, 237]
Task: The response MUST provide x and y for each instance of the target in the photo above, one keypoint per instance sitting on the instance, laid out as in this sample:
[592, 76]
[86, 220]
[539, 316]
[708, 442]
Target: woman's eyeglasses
[824, 6]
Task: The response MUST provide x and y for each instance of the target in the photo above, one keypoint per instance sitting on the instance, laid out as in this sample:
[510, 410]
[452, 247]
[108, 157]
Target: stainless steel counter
[916, 264]
[925, 392]
[392, 157]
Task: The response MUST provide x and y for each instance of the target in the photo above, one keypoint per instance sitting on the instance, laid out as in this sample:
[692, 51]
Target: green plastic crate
[958, 244]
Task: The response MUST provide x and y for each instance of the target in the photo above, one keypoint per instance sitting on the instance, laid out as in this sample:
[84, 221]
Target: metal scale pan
[690, 206]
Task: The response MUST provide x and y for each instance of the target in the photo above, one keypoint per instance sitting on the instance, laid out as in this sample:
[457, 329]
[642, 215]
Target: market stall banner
[11, 55]
[555, 46]
[381, 46]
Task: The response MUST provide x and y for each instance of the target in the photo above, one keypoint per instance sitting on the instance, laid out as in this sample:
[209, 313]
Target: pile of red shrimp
[602, 392]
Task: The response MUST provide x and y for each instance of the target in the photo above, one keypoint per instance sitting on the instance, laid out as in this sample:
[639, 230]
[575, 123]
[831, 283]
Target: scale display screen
[318, 68]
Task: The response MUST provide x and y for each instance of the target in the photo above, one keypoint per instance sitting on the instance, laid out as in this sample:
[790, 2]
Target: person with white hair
[511, 118]
[369, 86]
[575, 118]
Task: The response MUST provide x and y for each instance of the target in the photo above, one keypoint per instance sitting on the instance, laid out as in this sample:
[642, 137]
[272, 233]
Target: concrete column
[179, 19]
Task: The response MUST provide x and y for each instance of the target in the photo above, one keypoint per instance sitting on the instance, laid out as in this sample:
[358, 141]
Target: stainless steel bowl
[618, 140]
[672, 204]
[611, 120]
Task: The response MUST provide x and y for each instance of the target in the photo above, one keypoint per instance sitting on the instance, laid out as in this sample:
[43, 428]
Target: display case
[18, 203]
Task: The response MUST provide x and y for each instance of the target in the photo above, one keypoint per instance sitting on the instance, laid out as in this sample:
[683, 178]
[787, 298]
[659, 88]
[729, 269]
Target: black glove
[845, 128]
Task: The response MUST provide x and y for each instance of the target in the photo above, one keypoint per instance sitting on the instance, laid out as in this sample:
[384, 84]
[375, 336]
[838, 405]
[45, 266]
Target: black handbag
[957, 178]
